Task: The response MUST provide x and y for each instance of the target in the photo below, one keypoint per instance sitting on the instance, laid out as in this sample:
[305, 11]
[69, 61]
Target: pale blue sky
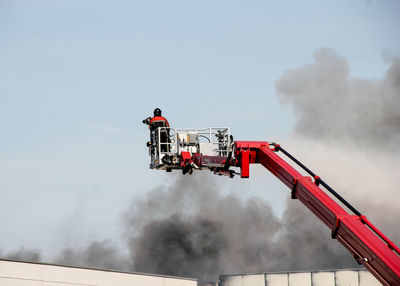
[77, 78]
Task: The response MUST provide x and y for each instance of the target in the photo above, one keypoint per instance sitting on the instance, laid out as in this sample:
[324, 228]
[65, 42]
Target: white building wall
[346, 278]
[323, 278]
[277, 279]
[300, 279]
[358, 277]
[33, 274]
[366, 278]
[256, 280]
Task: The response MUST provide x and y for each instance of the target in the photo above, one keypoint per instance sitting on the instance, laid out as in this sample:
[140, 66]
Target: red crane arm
[364, 241]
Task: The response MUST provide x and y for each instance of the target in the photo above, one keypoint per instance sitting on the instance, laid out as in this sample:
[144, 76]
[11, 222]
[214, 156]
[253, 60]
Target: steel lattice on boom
[214, 149]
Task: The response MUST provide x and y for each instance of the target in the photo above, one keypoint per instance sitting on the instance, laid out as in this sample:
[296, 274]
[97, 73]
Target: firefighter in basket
[155, 122]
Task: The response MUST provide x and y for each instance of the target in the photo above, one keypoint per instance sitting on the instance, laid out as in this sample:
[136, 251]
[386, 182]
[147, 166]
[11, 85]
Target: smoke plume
[98, 254]
[24, 254]
[332, 105]
[348, 129]
[204, 234]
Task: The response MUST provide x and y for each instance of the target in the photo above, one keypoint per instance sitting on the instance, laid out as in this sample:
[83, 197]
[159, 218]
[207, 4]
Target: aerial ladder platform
[214, 149]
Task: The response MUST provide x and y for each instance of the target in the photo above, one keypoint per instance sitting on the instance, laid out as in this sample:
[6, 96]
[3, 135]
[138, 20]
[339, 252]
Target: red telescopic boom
[364, 241]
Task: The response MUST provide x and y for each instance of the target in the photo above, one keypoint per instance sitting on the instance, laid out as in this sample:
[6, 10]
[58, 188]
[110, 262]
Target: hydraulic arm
[365, 242]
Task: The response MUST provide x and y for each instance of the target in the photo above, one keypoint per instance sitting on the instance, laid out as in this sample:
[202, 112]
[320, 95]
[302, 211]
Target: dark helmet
[157, 112]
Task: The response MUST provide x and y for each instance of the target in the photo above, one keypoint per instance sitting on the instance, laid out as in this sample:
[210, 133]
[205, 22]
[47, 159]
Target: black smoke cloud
[330, 104]
[179, 246]
[206, 234]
